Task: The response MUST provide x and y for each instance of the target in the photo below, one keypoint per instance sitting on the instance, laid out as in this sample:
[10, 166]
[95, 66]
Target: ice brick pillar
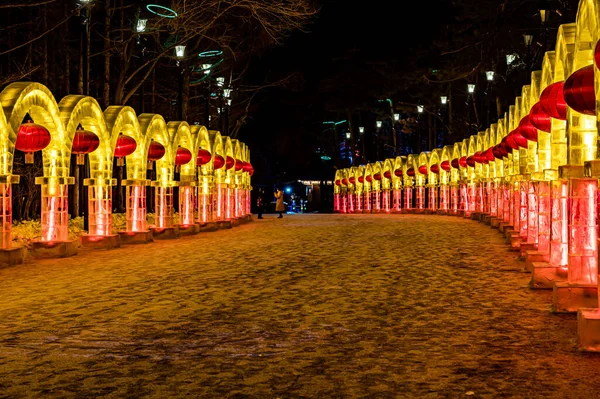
[336, 202]
[229, 202]
[479, 197]
[55, 208]
[397, 200]
[367, 201]
[204, 200]
[454, 200]
[506, 203]
[444, 198]
[186, 204]
[385, 201]
[100, 206]
[163, 206]
[432, 199]
[420, 198]
[135, 211]
[408, 206]
[358, 201]
[463, 203]
[583, 234]
[219, 201]
[351, 203]
[471, 198]
[493, 198]
[559, 242]
[376, 195]
[523, 192]
[344, 202]
[532, 213]
[544, 220]
[6, 209]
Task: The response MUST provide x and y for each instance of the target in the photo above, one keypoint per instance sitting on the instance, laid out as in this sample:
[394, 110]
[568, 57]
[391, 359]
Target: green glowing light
[210, 53]
[325, 158]
[161, 11]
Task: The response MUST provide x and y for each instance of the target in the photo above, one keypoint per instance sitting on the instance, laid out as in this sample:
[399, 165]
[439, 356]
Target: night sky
[337, 63]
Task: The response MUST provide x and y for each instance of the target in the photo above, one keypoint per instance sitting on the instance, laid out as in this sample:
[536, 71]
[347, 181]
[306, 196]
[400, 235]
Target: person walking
[260, 203]
[279, 207]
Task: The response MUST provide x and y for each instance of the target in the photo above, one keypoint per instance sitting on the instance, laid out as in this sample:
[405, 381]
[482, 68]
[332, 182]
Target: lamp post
[180, 55]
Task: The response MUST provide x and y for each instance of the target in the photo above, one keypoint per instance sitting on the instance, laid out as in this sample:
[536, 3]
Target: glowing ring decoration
[161, 11]
[210, 53]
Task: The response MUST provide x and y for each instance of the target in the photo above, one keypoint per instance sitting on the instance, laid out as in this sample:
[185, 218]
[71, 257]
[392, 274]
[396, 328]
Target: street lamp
[396, 117]
[220, 81]
[510, 58]
[361, 129]
[489, 75]
[471, 88]
[180, 51]
[206, 68]
[348, 135]
[544, 14]
[528, 39]
[444, 99]
[420, 109]
[378, 123]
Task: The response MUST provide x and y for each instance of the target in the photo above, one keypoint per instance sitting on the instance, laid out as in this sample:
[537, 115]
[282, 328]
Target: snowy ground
[308, 306]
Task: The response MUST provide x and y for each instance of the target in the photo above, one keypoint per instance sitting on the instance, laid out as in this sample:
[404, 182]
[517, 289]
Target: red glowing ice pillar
[507, 214]
[6, 211]
[204, 201]
[367, 201]
[100, 208]
[408, 198]
[186, 205]
[532, 213]
[344, 203]
[583, 233]
[493, 199]
[478, 197]
[486, 196]
[432, 199]
[376, 200]
[228, 198]
[135, 209]
[544, 221]
[385, 199]
[523, 192]
[471, 198]
[559, 239]
[358, 201]
[454, 200]
[464, 200]
[420, 198]
[163, 207]
[397, 198]
[54, 209]
[336, 202]
[444, 194]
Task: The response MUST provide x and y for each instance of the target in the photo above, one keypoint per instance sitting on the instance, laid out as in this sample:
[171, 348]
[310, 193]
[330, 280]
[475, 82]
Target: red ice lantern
[352, 180]
[219, 162]
[540, 119]
[410, 171]
[361, 179]
[155, 152]
[229, 163]
[435, 168]
[423, 169]
[125, 146]
[553, 101]
[239, 164]
[463, 162]
[471, 161]
[32, 137]
[446, 166]
[488, 155]
[496, 152]
[247, 167]
[398, 172]
[377, 176]
[477, 157]
[204, 157]
[369, 178]
[579, 91]
[338, 182]
[527, 130]
[183, 156]
[345, 182]
[251, 171]
[455, 163]
[510, 141]
[84, 142]
[519, 138]
[387, 174]
[597, 54]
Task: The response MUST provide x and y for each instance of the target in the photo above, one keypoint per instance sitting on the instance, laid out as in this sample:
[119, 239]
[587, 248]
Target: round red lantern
[540, 119]
[239, 164]
[361, 179]
[182, 156]
[229, 163]
[338, 182]
[553, 101]
[377, 176]
[423, 169]
[251, 171]
[463, 162]
[471, 161]
[387, 174]
[219, 162]
[410, 171]
[84, 142]
[510, 140]
[155, 152]
[435, 168]
[398, 172]
[247, 167]
[446, 166]
[579, 91]
[455, 163]
[125, 146]
[527, 130]
[345, 181]
[519, 139]
[204, 157]
[352, 180]
[32, 137]
[369, 178]
[496, 152]
[477, 157]
[488, 155]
